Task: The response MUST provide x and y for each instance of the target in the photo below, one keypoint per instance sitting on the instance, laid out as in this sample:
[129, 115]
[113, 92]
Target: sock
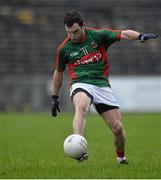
[120, 154]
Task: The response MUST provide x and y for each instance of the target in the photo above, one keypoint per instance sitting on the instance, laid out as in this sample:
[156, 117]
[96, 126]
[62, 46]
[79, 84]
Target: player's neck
[82, 39]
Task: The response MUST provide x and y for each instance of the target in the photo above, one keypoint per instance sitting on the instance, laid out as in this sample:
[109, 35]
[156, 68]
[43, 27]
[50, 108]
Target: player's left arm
[134, 35]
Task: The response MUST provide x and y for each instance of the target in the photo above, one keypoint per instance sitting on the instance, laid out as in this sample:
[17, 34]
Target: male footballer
[84, 51]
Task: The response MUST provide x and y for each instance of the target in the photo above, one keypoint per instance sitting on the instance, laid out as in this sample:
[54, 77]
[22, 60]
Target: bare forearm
[57, 82]
[130, 35]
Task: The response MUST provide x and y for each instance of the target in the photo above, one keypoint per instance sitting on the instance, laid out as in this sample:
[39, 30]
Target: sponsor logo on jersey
[94, 57]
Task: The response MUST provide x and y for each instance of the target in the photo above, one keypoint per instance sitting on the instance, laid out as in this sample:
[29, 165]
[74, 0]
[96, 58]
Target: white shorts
[100, 95]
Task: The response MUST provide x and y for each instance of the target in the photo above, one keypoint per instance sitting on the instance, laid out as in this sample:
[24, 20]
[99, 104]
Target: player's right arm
[59, 68]
[57, 82]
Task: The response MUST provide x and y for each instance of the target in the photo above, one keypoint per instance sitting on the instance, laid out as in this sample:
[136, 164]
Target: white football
[75, 146]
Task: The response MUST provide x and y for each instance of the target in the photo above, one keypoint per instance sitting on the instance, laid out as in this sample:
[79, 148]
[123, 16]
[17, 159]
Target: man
[84, 51]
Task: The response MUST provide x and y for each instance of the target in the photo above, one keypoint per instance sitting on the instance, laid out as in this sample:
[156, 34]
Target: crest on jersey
[94, 45]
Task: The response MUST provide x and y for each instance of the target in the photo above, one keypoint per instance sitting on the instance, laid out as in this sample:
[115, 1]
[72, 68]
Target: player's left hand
[55, 105]
[145, 36]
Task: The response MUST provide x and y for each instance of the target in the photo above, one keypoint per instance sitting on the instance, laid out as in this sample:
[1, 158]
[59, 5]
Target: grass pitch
[31, 146]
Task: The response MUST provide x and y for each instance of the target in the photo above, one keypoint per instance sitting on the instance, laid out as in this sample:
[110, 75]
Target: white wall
[138, 93]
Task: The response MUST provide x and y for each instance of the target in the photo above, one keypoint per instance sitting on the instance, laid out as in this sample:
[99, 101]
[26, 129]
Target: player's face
[76, 33]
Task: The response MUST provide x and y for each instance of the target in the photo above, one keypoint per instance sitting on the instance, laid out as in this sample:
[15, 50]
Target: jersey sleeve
[108, 36]
[60, 60]
[60, 56]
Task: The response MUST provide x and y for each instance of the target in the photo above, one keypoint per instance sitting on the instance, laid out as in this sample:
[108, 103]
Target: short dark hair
[72, 17]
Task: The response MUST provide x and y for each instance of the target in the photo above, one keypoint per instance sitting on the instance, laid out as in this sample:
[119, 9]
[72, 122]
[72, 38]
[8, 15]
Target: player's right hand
[55, 105]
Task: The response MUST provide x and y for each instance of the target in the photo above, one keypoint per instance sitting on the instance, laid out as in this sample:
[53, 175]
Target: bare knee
[118, 129]
[82, 108]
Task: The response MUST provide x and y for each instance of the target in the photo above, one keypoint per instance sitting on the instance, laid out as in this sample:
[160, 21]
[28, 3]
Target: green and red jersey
[88, 61]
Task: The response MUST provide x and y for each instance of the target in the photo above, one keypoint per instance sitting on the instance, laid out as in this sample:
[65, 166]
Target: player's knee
[118, 129]
[82, 108]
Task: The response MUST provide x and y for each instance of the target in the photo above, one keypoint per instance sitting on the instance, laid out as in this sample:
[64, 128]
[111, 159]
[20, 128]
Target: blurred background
[31, 30]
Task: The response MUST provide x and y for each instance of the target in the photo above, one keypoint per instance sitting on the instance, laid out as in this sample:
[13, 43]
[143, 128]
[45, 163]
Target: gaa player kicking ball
[84, 52]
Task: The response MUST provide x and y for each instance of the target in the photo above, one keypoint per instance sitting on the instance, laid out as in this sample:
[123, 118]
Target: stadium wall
[138, 93]
[33, 94]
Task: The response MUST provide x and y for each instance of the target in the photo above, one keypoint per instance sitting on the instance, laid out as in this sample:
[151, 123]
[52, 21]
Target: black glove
[145, 36]
[55, 105]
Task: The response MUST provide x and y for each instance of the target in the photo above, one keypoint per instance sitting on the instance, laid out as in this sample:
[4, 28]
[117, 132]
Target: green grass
[31, 146]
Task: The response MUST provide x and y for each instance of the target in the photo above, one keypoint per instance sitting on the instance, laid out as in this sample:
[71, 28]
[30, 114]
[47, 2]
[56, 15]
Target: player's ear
[83, 24]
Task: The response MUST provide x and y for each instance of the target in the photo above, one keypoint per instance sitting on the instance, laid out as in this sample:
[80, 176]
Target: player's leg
[113, 119]
[82, 100]
[107, 106]
[81, 103]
